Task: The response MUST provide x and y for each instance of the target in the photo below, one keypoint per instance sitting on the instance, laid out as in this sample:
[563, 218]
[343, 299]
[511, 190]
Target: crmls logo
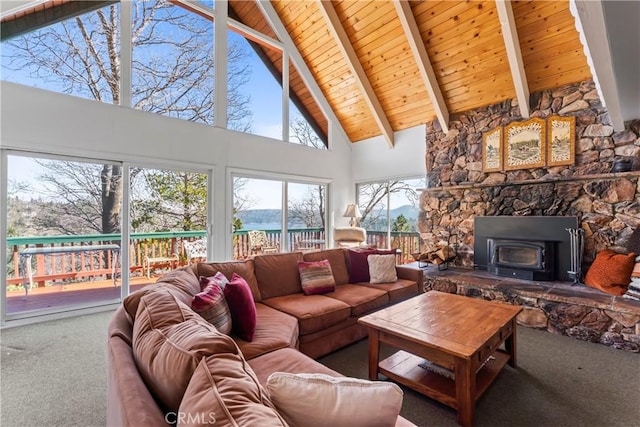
[190, 418]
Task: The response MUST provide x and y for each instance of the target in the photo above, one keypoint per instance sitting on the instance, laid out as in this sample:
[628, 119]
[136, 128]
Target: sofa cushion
[335, 401]
[169, 340]
[361, 299]
[286, 360]
[224, 391]
[243, 308]
[212, 306]
[314, 312]
[274, 330]
[245, 269]
[336, 258]
[358, 265]
[277, 274]
[399, 290]
[382, 268]
[357, 260]
[316, 277]
[182, 283]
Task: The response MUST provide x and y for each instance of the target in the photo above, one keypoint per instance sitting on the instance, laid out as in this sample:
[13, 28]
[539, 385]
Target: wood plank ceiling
[379, 77]
[464, 44]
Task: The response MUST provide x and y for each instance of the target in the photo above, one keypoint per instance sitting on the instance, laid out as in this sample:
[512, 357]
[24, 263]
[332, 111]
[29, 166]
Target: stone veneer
[576, 311]
[606, 204]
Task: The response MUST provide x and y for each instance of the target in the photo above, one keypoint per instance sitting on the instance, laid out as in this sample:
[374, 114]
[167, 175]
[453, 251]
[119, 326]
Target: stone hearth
[558, 307]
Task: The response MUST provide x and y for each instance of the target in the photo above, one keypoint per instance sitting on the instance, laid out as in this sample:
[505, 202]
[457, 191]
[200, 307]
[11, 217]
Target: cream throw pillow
[382, 268]
[319, 400]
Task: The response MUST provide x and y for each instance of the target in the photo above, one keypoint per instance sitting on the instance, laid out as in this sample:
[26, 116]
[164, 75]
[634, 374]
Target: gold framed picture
[524, 146]
[492, 150]
[561, 144]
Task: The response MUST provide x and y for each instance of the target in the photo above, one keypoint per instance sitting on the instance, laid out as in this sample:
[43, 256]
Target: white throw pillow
[319, 400]
[382, 268]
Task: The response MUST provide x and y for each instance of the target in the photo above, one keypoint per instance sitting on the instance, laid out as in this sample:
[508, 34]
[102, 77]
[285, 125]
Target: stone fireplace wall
[606, 204]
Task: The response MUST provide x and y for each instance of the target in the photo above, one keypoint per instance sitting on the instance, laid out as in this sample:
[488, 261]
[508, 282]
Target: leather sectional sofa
[163, 357]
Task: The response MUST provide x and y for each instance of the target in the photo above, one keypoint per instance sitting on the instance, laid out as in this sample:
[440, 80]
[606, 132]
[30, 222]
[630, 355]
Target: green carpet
[54, 374]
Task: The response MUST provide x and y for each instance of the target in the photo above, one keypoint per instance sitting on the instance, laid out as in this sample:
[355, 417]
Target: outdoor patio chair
[259, 243]
[196, 249]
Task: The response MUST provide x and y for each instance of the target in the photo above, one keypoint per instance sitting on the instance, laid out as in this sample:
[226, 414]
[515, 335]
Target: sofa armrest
[411, 273]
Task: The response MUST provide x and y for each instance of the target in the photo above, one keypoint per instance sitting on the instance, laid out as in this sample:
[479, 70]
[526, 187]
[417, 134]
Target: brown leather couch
[148, 384]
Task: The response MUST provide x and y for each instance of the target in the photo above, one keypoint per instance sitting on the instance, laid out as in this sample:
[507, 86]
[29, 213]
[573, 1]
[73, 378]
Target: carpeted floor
[53, 374]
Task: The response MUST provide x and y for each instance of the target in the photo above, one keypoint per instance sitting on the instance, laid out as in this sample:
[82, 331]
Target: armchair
[349, 237]
[259, 243]
[196, 249]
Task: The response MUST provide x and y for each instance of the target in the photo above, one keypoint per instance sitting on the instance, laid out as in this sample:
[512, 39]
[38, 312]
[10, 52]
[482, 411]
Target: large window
[389, 212]
[63, 234]
[254, 90]
[65, 241]
[291, 213]
[173, 63]
[168, 219]
[79, 56]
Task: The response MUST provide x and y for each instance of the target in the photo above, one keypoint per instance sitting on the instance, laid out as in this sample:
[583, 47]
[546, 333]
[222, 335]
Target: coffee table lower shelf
[402, 367]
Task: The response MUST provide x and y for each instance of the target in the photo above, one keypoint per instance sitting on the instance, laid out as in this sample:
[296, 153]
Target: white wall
[372, 159]
[41, 121]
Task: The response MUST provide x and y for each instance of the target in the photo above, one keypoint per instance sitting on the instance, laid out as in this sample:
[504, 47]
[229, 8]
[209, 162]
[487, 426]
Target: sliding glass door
[292, 214]
[63, 234]
[64, 246]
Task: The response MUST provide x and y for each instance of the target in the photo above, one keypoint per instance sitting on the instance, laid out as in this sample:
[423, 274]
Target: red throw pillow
[359, 265]
[316, 277]
[243, 308]
[610, 272]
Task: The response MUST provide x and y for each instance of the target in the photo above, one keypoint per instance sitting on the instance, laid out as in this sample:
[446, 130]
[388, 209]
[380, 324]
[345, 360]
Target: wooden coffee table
[459, 334]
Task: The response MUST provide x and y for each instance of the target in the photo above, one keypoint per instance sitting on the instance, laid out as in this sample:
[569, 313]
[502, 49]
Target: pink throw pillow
[242, 306]
[218, 279]
[316, 277]
[212, 306]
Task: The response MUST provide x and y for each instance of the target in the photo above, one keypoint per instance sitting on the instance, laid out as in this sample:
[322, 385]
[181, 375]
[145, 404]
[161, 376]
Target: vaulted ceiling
[361, 55]
[385, 66]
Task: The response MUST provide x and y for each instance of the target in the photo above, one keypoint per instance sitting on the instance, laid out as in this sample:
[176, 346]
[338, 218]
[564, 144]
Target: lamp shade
[352, 211]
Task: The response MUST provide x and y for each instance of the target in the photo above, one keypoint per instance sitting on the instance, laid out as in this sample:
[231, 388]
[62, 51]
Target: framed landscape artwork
[561, 141]
[492, 150]
[525, 144]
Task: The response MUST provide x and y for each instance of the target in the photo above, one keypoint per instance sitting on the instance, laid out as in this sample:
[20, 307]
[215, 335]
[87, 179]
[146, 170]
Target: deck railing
[79, 265]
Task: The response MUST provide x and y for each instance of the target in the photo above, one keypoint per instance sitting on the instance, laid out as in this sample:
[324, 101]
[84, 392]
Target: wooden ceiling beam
[340, 35]
[35, 20]
[514, 54]
[421, 56]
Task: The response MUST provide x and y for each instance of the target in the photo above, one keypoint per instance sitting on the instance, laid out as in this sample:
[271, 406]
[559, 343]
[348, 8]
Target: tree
[400, 224]
[172, 74]
[84, 198]
[373, 194]
[310, 209]
[303, 133]
[167, 200]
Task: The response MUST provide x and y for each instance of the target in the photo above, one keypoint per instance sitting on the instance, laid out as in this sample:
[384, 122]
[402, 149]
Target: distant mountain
[273, 216]
[409, 212]
[260, 216]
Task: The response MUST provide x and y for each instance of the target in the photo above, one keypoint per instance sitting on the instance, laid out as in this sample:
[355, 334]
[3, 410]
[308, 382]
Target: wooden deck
[74, 294]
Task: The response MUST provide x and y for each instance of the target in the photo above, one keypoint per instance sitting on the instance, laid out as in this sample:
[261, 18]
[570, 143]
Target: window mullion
[220, 60]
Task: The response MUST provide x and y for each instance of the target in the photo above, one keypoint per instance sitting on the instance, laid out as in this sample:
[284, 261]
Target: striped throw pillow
[316, 277]
[213, 307]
